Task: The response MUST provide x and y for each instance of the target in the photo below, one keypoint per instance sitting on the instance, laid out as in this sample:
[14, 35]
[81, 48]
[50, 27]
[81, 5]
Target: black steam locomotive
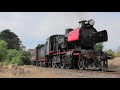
[75, 49]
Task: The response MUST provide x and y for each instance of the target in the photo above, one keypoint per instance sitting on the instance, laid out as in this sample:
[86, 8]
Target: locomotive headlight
[91, 22]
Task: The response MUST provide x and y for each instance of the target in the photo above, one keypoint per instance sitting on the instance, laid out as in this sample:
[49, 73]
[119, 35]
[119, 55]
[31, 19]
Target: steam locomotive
[74, 49]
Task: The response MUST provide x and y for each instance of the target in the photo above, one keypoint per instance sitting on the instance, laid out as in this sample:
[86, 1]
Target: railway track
[104, 72]
[87, 73]
[93, 70]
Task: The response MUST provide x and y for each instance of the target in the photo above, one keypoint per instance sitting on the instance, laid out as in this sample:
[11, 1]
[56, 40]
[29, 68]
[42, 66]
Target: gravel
[29, 71]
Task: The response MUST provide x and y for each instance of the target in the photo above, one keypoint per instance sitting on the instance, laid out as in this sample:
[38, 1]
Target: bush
[1, 63]
[13, 56]
[117, 55]
[110, 51]
[25, 57]
[18, 57]
[3, 50]
[99, 46]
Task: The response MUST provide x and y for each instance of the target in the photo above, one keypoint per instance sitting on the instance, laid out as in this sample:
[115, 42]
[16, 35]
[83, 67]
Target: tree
[3, 50]
[110, 51]
[40, 45]
[99, 46]
[30, 50]
[25, 57]
[11, 38]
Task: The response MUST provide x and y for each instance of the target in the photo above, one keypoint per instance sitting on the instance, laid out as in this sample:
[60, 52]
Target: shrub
[18, 57]
[3, 50]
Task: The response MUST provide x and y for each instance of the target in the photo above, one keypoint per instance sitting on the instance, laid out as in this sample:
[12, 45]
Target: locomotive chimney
[82, 23]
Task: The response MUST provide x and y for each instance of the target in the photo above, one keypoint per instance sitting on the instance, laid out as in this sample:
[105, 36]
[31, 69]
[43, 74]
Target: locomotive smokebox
[67, 31]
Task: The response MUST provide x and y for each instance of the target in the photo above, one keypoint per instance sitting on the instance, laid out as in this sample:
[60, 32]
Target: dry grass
[114, 64]
[115, 61]
[29, 71]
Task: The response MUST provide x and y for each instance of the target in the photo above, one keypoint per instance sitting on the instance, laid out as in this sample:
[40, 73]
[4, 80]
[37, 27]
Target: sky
[34, 28]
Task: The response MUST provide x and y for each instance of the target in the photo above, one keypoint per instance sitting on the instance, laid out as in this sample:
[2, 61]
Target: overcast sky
[34, 27]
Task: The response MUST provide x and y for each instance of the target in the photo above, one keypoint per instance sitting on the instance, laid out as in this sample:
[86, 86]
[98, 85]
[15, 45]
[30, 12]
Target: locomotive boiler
[74, 49]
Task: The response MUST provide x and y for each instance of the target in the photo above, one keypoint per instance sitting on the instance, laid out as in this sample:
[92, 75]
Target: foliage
[11, 49]
[117, 53]
[40, 45]
[3, 50]
[1, 63]
[13, 56]
[30, 50]
[114, 53]
[18, 57]
[110, 51]
[11, 38]
[25, 56]
[99, 46]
